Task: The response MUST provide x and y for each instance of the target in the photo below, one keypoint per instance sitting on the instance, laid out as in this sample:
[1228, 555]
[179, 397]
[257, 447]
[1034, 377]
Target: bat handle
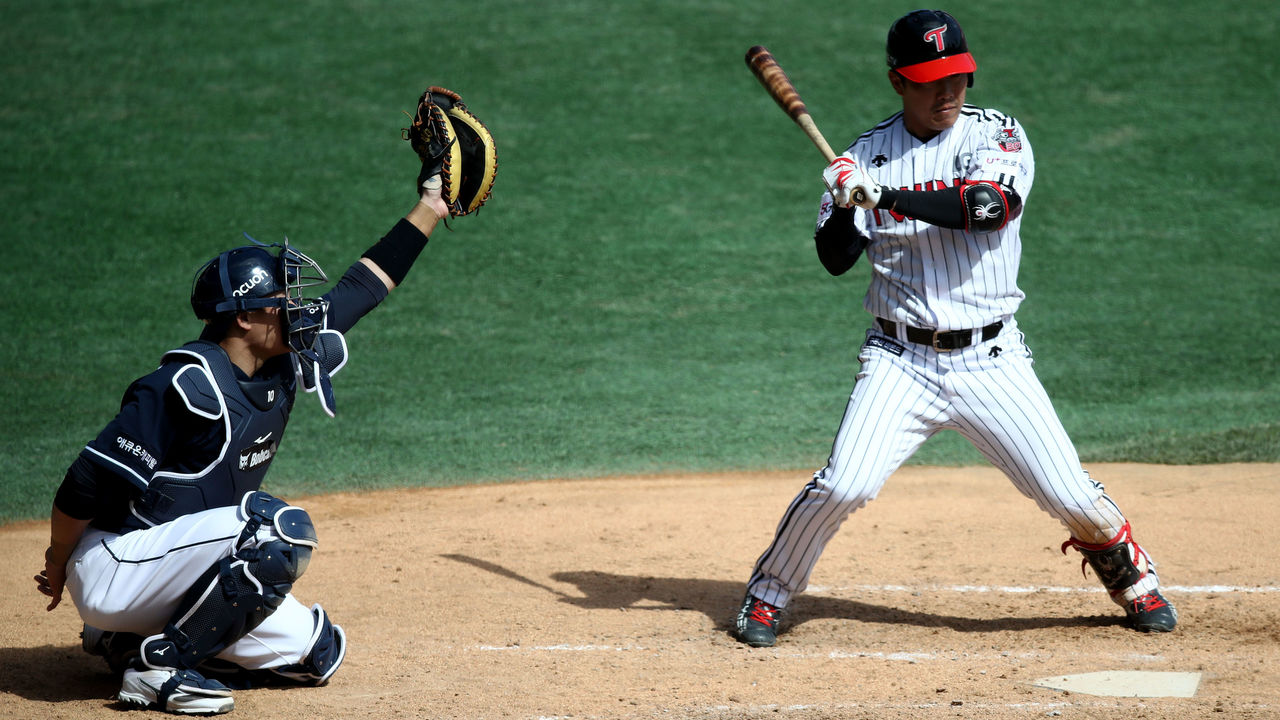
[806, 123]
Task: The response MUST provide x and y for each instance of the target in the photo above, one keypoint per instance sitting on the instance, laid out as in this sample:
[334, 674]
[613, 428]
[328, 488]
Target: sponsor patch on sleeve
[1008, 139]
[825, 209]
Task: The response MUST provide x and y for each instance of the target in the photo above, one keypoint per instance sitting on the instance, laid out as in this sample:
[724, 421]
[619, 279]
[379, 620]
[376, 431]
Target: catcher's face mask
[303, 316]
[318, 353]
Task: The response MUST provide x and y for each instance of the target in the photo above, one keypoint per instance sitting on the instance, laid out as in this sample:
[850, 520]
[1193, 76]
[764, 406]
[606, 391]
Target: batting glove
[849, 184]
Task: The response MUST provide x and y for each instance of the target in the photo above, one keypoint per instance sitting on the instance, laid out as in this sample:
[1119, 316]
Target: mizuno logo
[161, 651]
[262, 439]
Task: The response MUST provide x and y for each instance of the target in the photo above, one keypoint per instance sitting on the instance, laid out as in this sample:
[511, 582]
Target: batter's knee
[847, 489]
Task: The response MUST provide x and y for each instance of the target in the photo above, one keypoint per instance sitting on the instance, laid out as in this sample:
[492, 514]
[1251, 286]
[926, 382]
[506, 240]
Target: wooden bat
[770, 74]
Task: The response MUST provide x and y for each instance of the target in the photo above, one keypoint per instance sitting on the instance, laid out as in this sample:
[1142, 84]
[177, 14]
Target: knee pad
[276, 565]
[277, 562]
[239, 592]
[289, 522]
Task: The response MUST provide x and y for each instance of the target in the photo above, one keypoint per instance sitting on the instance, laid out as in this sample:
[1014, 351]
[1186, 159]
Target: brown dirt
[612, 598]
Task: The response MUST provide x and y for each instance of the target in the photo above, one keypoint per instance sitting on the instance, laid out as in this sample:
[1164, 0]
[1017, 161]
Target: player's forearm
[392, 256]
[973, 206]
[936, 207]
[838, 242]
[423, 217]
[64, 533]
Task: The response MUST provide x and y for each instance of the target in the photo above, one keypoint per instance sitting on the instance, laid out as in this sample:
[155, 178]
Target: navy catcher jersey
[196, 432]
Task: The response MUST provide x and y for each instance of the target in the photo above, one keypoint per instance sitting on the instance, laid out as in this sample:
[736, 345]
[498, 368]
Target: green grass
[641, 294]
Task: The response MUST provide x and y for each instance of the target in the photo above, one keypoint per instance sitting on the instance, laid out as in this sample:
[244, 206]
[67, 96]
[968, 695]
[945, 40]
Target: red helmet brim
[927, 72]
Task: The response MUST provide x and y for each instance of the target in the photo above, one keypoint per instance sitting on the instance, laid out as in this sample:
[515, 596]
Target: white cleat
[185, 692]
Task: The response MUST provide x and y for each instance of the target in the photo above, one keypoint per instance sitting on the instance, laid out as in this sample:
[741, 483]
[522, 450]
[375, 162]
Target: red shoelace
[763, 612]
[1148, 602]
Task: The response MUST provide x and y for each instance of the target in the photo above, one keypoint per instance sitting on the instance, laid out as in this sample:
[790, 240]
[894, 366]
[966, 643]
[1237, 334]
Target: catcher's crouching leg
[1129, 575]
[119, 649]
[324, 653]
[230, 599]
[319, 659]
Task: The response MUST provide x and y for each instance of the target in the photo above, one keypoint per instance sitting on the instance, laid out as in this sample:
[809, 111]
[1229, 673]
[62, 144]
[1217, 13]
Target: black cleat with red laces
[758, 622]
[1152, 613]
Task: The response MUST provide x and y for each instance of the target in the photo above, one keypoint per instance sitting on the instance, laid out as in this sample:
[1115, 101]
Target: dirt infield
[612, 598]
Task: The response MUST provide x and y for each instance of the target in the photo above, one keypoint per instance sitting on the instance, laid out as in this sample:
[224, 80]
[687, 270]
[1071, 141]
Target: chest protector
[252, 414]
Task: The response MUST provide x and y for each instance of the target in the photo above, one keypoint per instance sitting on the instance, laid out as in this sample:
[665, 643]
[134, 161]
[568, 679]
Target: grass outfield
[641, 294]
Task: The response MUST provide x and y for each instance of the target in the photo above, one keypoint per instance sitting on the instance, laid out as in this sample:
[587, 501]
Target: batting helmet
[252, 277]
[928, 45]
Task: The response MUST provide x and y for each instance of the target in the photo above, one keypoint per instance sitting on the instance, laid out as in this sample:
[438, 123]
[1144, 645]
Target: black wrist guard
[397, 250]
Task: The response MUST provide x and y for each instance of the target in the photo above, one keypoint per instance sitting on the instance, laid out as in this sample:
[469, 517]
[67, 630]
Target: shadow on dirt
[55, 674]
[719, 601]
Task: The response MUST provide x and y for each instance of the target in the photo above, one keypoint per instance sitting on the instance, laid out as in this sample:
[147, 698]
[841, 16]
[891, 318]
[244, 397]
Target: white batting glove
[850, 185]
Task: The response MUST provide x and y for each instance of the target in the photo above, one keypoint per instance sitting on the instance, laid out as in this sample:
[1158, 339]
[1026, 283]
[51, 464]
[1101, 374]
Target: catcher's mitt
[454, 143]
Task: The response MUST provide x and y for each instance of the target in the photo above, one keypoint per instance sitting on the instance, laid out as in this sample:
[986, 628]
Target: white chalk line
[907, 657]
[1039, 707]
[1050, 708]
[910, 657]
[1026, 589]
[556, 648]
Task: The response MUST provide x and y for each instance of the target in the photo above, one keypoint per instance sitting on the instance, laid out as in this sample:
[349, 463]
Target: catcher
[180, 566]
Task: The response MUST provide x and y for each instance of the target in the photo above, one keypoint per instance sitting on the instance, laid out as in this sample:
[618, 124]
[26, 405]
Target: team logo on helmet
[935, 36]
[259, 274]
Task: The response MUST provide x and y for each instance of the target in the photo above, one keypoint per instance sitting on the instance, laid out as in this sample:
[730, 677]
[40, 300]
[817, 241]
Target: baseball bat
[775, 81]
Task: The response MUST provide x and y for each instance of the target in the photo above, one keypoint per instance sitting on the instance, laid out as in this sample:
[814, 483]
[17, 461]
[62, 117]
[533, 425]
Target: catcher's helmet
[928, 45]
[251, 277]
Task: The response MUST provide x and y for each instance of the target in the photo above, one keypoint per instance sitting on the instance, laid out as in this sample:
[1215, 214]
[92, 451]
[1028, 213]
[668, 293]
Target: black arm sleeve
[838, 242]
[961, 208]
[358, 292]
[943, 208]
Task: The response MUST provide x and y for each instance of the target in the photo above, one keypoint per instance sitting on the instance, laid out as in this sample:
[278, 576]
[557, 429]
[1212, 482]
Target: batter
[180, 566]
[934, 197]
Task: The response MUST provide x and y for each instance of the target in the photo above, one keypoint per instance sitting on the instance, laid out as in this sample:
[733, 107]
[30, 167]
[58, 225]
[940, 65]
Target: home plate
[1126, 683]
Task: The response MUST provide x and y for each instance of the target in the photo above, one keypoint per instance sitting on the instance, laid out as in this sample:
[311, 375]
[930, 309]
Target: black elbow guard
[988, 206]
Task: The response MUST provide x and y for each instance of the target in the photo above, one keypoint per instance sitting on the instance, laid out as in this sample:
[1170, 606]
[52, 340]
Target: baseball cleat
[758, 622]
[185, 692]
[1152, 613]
[119, 649]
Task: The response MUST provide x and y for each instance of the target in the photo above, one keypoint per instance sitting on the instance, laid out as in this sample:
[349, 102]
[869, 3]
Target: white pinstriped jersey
[934, 277]
[906, 392]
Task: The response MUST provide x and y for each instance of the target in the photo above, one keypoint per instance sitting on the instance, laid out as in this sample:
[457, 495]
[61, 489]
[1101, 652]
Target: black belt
[941, 341]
